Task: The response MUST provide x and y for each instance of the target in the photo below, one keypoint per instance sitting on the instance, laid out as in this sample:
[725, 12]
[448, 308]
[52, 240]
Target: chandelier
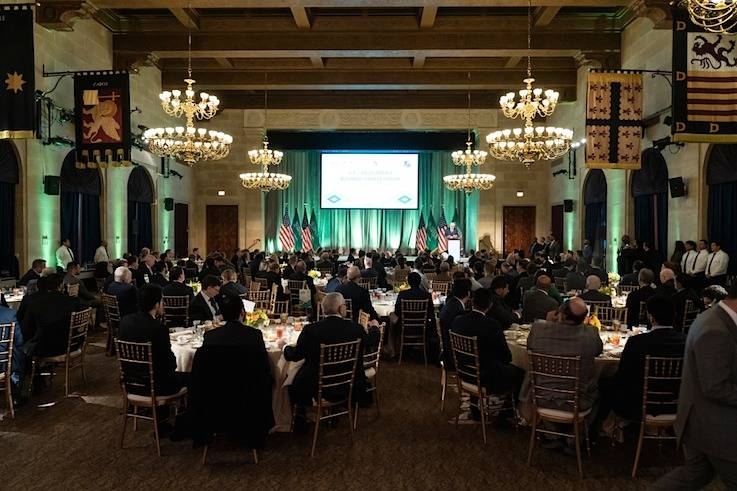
[264, 157]
[530, 143]
[467, 159]
[713, 15]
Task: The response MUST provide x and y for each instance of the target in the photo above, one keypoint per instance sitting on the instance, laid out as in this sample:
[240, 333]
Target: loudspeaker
[169, 204]
[51, 185]
[568, 205]
[677, 187]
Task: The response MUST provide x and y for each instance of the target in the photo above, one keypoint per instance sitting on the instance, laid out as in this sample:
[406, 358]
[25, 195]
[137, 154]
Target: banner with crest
[102, 118]
[613, 120]
[704, 83]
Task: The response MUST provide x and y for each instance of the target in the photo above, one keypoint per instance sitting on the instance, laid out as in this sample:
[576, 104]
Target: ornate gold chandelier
[713, 15]
[529, 143]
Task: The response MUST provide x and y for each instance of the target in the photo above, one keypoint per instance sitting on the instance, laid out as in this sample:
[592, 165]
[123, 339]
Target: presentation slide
[369, 180]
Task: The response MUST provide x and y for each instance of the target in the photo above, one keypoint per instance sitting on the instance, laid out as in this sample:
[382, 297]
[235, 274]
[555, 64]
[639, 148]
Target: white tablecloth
[385, 306]
[14, 300]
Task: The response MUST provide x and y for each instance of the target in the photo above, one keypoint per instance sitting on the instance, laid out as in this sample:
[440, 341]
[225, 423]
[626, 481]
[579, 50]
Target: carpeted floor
[74, 445]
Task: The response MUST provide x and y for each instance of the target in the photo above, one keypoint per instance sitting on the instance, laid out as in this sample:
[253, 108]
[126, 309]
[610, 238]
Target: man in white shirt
[687, 260]
[101, 253]
[716, 265]
[64, 254]
[696, 266]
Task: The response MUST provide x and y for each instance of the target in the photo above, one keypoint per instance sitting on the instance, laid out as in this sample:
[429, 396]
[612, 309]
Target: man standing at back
[707, 406]
[64, 254]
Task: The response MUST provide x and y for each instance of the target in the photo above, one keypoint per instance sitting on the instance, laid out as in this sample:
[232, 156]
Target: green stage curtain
[368, 229]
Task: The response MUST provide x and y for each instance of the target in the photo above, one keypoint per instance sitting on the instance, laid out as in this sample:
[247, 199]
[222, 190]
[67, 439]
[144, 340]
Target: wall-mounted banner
[17, 72]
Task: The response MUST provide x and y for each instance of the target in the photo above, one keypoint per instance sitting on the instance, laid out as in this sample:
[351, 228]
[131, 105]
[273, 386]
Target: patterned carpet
[74, 444]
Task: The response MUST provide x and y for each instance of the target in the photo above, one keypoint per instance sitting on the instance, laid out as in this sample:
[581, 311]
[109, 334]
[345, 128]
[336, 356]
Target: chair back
[79, 324]
[364, 283]
[441, 286]
[555, 377]
[7, 335]
[414, 316]
[294, 286]
[176, 311]
[112, 310]
[255, 286]
[100, 282]
[661, 385]
[641, 315]
[136, 364]
[348, 308]
[593, 304]
[262, 282]
[466, 357]
[363, 319]
[430, 274]
[691, 311]
[73, 290]
[371, 358]
[560, 284]
[626, 288]
[608, 314]
[337, 370]
[400, 276]
[262, 299]
[325, 270]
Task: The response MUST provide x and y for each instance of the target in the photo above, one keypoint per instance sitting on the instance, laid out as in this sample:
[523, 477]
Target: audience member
[33, 274]
[645, 279]
[500, 310]
[204, 307]
[537, 303]
[177, 288]
[416, 293]
[359, 296]
[592, 293]
[122, 289]
[455, 305]
[712, 295]
[231, 285]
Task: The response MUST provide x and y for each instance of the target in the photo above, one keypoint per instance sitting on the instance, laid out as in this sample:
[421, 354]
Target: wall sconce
[117, 239]
[520, 194]
[166, 239]
[221, 193]
[45, 240]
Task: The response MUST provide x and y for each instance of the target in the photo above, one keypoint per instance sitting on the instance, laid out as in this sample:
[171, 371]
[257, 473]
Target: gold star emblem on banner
[15, 82]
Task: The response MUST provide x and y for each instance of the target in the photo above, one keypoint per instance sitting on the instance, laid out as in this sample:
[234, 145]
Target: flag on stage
[613, 120]
[421, 237]
[297, 231]
[432, 233]
[17, 72]
[313, 231]
[704, 83]
[442, 229]
[306, 233]
[286, 237]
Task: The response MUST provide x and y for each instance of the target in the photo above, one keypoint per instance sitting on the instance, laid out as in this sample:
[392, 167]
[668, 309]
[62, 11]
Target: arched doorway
[721, 179]
[80, 208]
[595, 227]
[9, 178]
[140, 197]
[649, 189]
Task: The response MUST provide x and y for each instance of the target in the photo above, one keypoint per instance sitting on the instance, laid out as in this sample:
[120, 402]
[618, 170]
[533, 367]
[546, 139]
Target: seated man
[300, 275]
[204, 307]
[333, 329]
[416, 293]
[177, 287]
[592, 293]
[337, 280]
[500, 310]
[230, 388]
[359, 296]
[47, 320]
[145, 271]
[324, 263]
[455, 305]
[498, 375]
[34, 273]
[231, 285]
[642, 294]
[623, 393]
[537, 302]
[86, 298]
[126, 293]
[630, 279]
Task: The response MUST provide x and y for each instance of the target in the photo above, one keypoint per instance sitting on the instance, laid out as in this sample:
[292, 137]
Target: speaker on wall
[169, 204]
[677, 187]
[568, 205]
[51, 185]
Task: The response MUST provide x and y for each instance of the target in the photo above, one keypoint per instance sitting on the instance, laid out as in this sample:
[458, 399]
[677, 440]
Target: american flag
[286, 237]
[442, 227]
[306, 234]
[421, 238]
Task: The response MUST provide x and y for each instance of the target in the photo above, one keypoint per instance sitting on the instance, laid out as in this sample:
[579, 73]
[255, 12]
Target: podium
[454, 248]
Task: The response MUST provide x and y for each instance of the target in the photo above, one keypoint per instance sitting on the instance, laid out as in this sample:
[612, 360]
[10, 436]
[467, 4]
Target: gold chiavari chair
[262, 282]
[254, 286]
[112, 314]
[660, 390]
[642, 314]
[7, 336]
[364, 283]
[412, 326]
[468, 372]
[295, 304]
[336, 376]
[557, 376]
[691, 311]
[139, 387]
[626, 289]
[176, 311]
[560, 284]
[440, 286]
[593, 304]
[430, 276]
[363, 319]
[371, 366]
[79, 324]
[73, 290]
[444, 373]
[608, 314]
[262, 299]
[278, 307]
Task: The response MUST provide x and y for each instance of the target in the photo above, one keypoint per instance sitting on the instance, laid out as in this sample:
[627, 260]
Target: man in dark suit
[537, 303]
[623, 393]
[177, 288]
[592, 293]
[359, 296]
[145, 272]
[500, 310]
[126, 293]
[575, 280]
[498, 374]
[331, 330]
[642, 294]
[455, 305]
[34, 273]
[706, 424]
[667, 287]
[630, 279]
[231, 381]
[204, 307]
[45, 326]
[300, 275]
[214, 266]
[324, 263]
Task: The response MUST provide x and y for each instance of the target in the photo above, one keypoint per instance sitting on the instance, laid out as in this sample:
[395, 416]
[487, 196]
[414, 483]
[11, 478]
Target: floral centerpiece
[196, 286]
[314, 274]
[608, 290]
[257, 319]
[613, 278]
[401, 287]
[593, 321]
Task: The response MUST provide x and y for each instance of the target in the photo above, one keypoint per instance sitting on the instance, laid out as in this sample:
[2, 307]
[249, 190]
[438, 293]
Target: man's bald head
[353, 273]
[666, 275]
[575, 311]
[543, 283]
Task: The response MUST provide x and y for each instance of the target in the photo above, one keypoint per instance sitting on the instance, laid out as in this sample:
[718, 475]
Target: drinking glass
[279, 331]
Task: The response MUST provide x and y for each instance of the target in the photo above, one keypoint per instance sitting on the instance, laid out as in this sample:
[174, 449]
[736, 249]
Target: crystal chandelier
[530, 143]
[713, 15]
[467, 159]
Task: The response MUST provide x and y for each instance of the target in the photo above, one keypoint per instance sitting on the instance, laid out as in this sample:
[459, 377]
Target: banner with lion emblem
[102, 118]
[704, 83]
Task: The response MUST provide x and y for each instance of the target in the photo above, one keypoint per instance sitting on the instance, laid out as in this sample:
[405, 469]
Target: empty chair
[560, 284]
[176, 311]
[262, 282]
[112, 314]
[262, 299]
[299, 306]
[608, 314]
[365, 283]
[444, 373]
[412, 326]
[441, 287]
[371, 367]
[7, 335]
[254, 286]
[627, 289]
[691, 311]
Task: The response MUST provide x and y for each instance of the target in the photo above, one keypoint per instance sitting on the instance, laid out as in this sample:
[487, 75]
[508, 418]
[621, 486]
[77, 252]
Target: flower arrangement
[196, 286]
[314, 274]
[257, 318]
[608, 290]
[401, 287]
[593, 321]
[613, 278]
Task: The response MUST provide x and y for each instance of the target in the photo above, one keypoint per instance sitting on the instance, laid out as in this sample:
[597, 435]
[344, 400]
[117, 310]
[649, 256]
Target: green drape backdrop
[379, 229]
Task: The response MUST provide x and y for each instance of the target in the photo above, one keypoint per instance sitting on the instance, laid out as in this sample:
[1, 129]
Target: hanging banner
[102, 118]
[704, 83]
[613, 120]
[17, 72]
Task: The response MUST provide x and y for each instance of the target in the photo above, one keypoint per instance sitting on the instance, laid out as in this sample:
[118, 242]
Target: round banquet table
[14, 300]
[282, 370]
[385, 304]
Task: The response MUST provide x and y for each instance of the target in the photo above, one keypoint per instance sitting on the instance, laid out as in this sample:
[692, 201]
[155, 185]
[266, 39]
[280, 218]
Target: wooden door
[222, 228]
[181, 229]
[556, 224]
[519, 228]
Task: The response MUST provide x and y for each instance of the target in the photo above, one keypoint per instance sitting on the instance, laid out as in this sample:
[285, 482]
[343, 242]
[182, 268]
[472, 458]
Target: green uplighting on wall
[117, 194]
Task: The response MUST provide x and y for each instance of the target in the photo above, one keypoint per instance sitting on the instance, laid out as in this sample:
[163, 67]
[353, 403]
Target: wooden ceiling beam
[512, 62]
[224, 63]
[271, 4]
[544, 15]
[301, 17]
[188, 18]
[427, 17]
